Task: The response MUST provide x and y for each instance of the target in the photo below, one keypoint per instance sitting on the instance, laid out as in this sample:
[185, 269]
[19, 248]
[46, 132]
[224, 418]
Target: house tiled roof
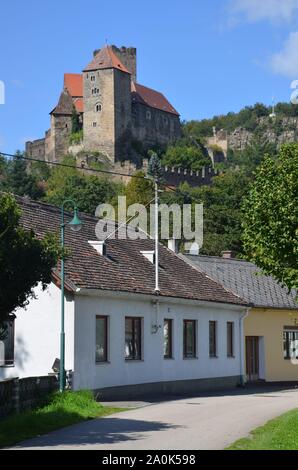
[74, 84]
[244, 279]
[125, 268]
[154, 99]
[106, 59]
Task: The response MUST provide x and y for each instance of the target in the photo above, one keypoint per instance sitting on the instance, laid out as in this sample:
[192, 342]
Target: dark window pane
[133, 338]
[189, 338]
[230, 339]
[167, 330]
[101, 339]
[212, 338]
[290, 343]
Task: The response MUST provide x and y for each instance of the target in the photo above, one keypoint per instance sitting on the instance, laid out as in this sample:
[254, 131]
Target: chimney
[150, 255]
[173, 245]
[100, 246]
[228, 254]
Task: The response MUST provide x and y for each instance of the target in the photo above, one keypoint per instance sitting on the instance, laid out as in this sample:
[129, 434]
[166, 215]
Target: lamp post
[75, 225]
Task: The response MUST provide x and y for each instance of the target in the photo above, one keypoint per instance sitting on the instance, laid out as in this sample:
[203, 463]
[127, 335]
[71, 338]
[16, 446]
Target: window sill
[134, 360]
[190, 358]
[213, 357]
[5, 366]
[100, 363]
[231, 357]
[169, 358]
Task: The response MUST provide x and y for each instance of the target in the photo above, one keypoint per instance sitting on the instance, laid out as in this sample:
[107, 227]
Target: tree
[270, 217]
[154, 166]
[87, 191]
[25, 261]
[17, 179]
[139, 190]
[75, 122]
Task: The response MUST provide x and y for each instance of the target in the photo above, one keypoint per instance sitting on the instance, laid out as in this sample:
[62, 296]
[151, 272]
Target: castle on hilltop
[117, 115]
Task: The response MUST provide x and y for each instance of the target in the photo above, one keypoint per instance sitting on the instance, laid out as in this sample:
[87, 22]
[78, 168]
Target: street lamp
[75, 224]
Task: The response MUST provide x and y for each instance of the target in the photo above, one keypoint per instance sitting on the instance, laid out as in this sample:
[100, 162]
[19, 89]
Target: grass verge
[61, 409]
[278, 434]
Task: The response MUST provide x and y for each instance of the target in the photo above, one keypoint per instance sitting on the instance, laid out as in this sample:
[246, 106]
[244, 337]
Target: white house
[121, 338]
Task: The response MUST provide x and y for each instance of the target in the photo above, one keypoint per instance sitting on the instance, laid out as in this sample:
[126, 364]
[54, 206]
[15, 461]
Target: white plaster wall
[153, 367]
[37, 335]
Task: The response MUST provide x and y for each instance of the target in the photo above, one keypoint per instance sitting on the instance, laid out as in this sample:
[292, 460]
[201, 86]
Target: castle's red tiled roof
[149, 97]
[79, 105]
[106, 59]
[74, 84]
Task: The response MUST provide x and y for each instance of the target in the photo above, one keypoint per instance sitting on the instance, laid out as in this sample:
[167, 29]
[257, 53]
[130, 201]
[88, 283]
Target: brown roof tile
[125, 268]
[154, 99]
[106, 59]
[65, 104]
[74, 84]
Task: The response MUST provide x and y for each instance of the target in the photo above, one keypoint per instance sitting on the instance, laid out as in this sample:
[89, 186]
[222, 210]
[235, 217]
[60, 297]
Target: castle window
[148, 115]
[165, 121]
[94, 124]
[92, 78]
[95, 91]
[98, 107]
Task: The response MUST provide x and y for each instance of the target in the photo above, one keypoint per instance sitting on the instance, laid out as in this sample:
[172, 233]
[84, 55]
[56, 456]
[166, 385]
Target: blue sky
[207, 57]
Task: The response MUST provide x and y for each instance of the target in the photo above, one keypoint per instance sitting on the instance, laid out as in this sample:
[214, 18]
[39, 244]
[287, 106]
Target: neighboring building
[121, 337]
[271, 328]
[117, 114]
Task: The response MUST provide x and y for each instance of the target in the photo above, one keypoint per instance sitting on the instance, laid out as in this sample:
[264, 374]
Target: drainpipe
[241, 346]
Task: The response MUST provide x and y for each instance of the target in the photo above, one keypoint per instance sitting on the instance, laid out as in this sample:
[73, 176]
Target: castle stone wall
[36, 149]
[99, 126]
[60, 132]
[152, 126]
[128, 57]
[122, 98]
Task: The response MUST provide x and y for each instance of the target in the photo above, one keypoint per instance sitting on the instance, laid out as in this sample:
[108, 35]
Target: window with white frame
[290, 337]
[7, 337]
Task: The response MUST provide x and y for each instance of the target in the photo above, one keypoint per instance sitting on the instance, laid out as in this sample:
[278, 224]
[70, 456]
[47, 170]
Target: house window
[212, 339]
[290, 343]
[7, 344]
[98, 108]
[189, 339]
[101, 346]
[230, 339]
[168, 338]
[133, 338]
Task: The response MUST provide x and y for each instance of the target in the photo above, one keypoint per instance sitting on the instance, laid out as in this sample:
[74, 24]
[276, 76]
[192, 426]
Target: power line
[65, 165]
[77, 167]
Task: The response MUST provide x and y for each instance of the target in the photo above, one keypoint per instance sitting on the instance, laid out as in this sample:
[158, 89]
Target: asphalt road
[201, 422]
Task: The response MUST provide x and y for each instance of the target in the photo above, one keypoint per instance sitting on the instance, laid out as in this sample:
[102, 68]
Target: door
[252, 357]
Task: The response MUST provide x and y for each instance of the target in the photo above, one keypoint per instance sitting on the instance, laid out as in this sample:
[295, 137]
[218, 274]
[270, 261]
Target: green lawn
[59, 411]
[278, 434]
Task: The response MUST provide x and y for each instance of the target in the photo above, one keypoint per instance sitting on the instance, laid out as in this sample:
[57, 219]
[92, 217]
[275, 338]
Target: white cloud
[285, 62]
[260, 10]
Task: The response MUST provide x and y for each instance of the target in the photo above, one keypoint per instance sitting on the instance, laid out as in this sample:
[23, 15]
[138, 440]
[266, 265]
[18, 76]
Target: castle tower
[127, 56]
[107, 106]
[57, 141]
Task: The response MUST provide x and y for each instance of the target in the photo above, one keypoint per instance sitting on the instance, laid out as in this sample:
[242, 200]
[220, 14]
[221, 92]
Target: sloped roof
[154, 99]
[106, 59]
[79, 105]
[74, 84]
[125, 268]
[242, 278]
[65, 104]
